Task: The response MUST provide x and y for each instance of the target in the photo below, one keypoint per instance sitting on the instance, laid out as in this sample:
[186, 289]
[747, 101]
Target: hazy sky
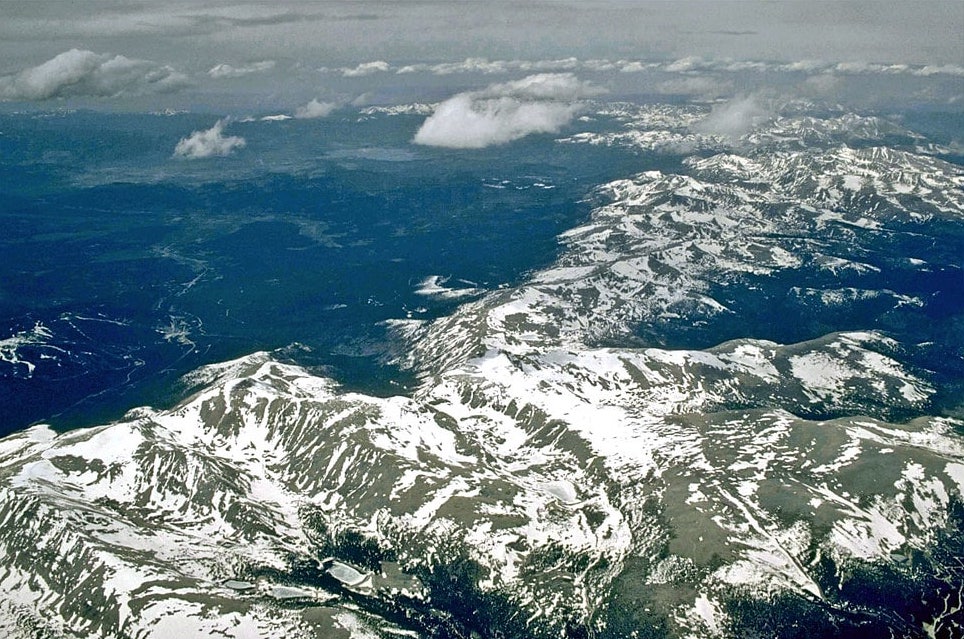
[240, 46]
[195, 32]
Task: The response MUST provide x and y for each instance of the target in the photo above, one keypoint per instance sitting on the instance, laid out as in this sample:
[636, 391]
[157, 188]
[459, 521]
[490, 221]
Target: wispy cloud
[469, 65]
[735, 117]
[543, 86]
[503, 112]
[492, 67]
[366, 68]
[636, 66]
[944, 69]
[686, 66]
[208, 143]
[695, 64]
[80, 72]
[315, 109]
[228, 71]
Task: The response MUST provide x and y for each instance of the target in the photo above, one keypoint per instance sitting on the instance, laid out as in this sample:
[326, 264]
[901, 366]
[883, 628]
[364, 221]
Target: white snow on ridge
[434, 286]
[821, 374]
[10, 346]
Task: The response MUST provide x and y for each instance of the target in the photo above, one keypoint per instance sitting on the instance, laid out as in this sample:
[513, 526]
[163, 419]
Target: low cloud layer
[684, 65]
[208, 143]
[489, 67]
[84, 73]
[315, 109]
[886, 31]
[228, 71]
[504, 112]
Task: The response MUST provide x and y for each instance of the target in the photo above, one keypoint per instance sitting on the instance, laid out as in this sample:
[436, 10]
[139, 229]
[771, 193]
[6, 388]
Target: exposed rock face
[557, 473]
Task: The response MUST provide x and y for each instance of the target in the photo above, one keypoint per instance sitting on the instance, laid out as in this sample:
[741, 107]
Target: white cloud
[693, 64]
[464, 123]
[208, 143]
[689, 63]
[503, 112]
[228, 71]
[687, 66]
[736, 66]
[808, 66]
[601, 64]
[562, 64]
[636, 66]
[469, 65]
[946, 69]
[84, 73]
[734, 118]
[366, 68]
[413, 68]
[472, 65]
[542, 86]
[864, 67]
[492, 67]
[315, 109]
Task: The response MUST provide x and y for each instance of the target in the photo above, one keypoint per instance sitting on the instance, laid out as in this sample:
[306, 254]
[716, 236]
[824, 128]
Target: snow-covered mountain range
[706, 418]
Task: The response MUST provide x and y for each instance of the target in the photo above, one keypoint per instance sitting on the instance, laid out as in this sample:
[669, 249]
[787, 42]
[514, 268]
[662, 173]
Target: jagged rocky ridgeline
[581, 460]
